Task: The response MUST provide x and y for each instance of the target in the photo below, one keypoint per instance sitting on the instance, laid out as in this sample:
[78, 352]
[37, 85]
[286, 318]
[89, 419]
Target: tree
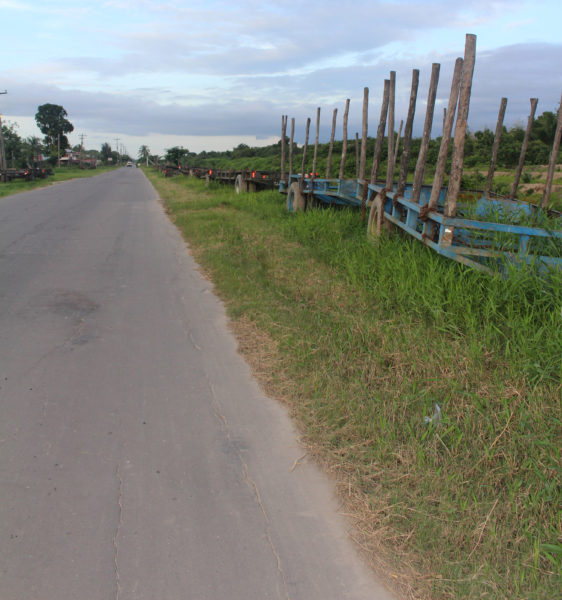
[174, 155]
[544, 128]
[144, 153]
[13, 146]
[105, 153]
[52, 122]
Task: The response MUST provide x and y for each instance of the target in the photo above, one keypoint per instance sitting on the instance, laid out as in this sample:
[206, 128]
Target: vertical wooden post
[364, 132]
[408, 133]
[495, 147]
[303, 166]
[553, 159]
[420, 164]
[398, 136]
[291, 142]
[519, 170]
[356, 155]
[283, 136]
[331, 148]
[315, 158]
[460, 132]
[445, 116]
[446, 137]
[380, 132]
[390, 158]
[344, 141]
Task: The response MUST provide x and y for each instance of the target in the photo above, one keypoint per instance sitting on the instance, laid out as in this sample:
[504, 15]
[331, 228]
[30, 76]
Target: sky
[212, 74]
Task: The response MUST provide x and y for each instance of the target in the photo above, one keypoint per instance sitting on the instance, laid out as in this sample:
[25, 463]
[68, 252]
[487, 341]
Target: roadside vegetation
[59, 174]
[362, 342]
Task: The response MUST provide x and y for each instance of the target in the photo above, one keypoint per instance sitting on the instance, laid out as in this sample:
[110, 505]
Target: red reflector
[210, 171]
[253, 174]
[264, 176]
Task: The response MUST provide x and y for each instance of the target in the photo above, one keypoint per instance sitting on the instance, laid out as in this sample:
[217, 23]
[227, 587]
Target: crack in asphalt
[252, 485]
[117, 531]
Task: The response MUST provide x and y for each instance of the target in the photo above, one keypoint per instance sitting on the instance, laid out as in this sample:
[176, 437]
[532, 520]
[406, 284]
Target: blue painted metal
[468, 238]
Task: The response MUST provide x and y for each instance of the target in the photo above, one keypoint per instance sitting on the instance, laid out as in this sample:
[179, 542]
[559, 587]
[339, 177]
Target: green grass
[60, 174]
[361, 341]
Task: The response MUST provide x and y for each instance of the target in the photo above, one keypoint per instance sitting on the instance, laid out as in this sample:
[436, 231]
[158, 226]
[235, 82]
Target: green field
[361, 341]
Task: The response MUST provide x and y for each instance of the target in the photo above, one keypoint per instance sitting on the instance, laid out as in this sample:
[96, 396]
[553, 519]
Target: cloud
[217, 68]
[253, 105]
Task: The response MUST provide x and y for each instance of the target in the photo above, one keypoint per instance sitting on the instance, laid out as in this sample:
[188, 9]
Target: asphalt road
[138, 458]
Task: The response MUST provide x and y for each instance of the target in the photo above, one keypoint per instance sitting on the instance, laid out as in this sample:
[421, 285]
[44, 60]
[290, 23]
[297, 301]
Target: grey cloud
[253, 104]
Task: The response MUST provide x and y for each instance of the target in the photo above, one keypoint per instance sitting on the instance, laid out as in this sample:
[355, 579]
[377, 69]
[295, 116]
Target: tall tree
[144, 153]
[544, 127]
[52, 122]
[106, 152]
[176, 154]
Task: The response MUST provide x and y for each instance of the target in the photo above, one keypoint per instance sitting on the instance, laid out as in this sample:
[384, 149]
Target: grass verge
[361, 342]
[60, 174]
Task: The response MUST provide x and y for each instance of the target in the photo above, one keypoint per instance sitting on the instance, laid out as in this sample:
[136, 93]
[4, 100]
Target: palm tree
[144, 153]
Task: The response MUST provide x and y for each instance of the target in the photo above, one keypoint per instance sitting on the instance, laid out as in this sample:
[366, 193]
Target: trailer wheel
[374, 223]
[240, 185]
[296, 200]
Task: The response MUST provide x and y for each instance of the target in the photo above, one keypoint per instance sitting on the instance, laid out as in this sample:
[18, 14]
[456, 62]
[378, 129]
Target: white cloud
[216, 68]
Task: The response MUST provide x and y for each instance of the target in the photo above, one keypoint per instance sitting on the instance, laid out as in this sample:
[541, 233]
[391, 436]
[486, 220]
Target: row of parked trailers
[243, 180]
[28, 174]
[481, 233]
[485, 233]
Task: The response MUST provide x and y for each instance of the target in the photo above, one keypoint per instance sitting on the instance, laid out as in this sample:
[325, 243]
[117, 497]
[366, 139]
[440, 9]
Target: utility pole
[82, 136]
[117, 148]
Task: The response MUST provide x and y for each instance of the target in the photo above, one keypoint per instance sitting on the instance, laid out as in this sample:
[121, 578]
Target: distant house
[77, 158]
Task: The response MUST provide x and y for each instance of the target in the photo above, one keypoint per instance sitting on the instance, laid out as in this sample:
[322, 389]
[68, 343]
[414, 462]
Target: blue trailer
[483, 234]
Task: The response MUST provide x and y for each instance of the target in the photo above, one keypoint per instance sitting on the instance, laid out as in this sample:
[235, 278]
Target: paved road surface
[138, 458]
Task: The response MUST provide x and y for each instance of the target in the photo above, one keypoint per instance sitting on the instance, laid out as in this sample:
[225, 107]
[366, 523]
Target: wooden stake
[446, 137]
[495, 147]
[364, 134]
[356, 155]
[553, 159]
[344, 141]
[380, 132]
[283, 136]
[315, 158]
[291, 146]
[460, 129]
[408, 133]
[398, 141]
[303, 166]
[390, 158]
[515, 184]
[331, 148]
[420, 164]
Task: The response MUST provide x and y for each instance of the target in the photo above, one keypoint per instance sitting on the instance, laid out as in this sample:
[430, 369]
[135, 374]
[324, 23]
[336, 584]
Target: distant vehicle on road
[129, 164]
